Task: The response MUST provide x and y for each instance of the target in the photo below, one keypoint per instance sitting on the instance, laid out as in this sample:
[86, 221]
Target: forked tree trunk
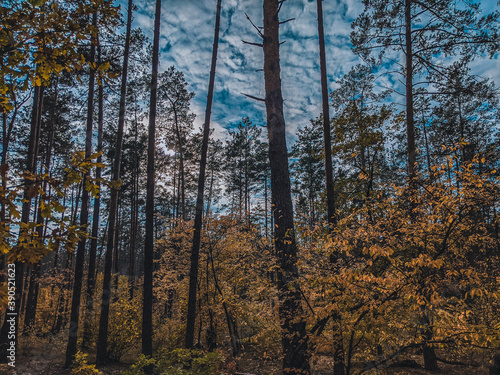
[147, 311]
[102, 340]
[294, 337]
[198, 220]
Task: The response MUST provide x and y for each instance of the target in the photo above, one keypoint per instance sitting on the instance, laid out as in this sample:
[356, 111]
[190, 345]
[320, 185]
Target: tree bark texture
[294, 337]
[147, 312]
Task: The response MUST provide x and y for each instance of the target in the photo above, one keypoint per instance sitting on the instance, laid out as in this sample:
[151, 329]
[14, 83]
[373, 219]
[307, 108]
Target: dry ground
[45, 356]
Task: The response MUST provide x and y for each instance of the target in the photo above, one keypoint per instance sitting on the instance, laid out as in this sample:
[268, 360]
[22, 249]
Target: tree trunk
[102, 340]
[410, 122]
[117, 248]
[330, 193]
[84, 214]
[25, 213]
[198, 220]
[294, 338]
[147, 311]
[182, 179]
[91, 276]
[134, 216]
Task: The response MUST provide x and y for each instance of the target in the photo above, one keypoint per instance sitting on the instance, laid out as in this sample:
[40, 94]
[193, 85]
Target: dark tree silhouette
[147, 312]
[195, 251]
[113, 205]
[294, 337]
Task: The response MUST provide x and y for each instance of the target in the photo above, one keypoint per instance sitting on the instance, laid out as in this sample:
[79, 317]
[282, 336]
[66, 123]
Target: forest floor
[46, 357]
[44, 366]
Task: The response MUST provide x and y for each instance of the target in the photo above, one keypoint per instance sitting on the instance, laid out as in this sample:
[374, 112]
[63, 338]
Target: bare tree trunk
[102, 340]
[147, 311]
[410, 122]
[91, 276]
[330, 193]
[182, 178]
[134, 216]
[294, 337]
[84, 214]
[198, 221]
[265, 207]
[427, 151]
[117, 248]
[338, 351]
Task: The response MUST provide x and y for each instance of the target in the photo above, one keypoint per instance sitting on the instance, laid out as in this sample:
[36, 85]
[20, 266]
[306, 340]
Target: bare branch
[280, 4]
[254, 97]
[252, 44]
[259, 29]
[288, 20]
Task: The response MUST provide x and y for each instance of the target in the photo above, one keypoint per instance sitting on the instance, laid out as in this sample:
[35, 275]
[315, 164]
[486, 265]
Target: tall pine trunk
[134, 215]
[330, 193]
[294, 337]
[198, 220]
[338, 368]
[84, 215]
[91, 277]
[410, 121]
[147, 311]
[102, 340]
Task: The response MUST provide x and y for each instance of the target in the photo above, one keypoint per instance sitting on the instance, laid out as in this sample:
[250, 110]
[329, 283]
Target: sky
[187, 31]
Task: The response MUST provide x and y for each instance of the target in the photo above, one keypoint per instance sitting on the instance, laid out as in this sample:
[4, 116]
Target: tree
[432, 31]
[95, 219]
[113, 207]
[245, 161]
[307, 168]
[195, 251]
[465, 111]
[330, 192]
[294, 337]
[147, 314]
[84, 213]
[176, 125]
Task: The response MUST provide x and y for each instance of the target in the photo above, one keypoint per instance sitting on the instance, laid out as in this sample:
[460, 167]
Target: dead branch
[259, 29]
[254, 97]
[252, 43]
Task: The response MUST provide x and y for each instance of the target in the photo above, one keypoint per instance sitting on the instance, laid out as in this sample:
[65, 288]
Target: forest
[148, 230]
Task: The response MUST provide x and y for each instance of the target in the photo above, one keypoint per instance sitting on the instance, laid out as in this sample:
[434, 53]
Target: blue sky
[186, 42]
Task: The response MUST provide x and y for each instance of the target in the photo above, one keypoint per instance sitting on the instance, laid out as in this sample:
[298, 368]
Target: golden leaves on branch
[390, 260]
[22, 241]
[39, 40]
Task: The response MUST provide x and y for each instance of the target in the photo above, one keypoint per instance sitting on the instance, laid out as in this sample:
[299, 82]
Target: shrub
[81, 367]
[189, 362]
[138, 367]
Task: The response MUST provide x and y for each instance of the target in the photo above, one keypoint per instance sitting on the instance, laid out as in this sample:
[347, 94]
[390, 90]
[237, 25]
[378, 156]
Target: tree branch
[254, 97]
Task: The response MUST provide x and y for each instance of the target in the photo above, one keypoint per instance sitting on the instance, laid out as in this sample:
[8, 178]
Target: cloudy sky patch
[187, 29]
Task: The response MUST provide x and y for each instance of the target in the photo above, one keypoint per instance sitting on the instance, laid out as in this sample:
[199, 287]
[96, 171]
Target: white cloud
[187, 37]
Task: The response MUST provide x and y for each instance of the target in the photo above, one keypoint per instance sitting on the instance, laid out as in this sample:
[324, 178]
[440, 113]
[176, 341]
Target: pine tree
[294, 338]
[195, 250]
